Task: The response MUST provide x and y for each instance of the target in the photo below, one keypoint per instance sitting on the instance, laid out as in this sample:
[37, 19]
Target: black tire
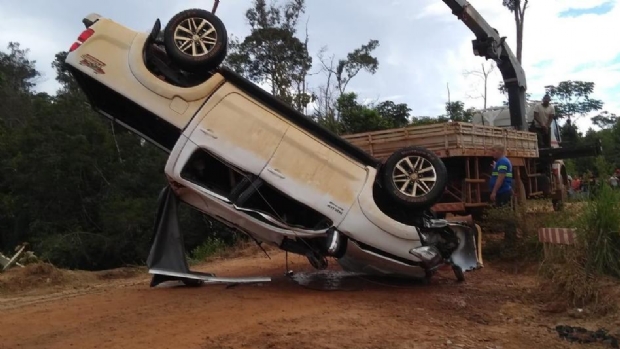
[458, 273]
[205, 61]
[429, 158]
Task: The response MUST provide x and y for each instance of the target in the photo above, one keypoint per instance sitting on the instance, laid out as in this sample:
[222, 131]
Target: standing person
[544, 113]
[501, 189]
[613, 180]
[501, 177]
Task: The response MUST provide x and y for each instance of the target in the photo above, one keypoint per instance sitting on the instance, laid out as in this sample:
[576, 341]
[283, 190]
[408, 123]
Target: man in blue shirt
[501, 177]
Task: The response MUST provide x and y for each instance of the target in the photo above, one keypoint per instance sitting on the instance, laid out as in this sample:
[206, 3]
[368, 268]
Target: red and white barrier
[561, 236]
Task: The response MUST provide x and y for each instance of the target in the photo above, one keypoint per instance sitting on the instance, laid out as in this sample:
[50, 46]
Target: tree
[272, 54]
[356, 118]
[605, 120]
[356, 61]
[428, 120]
[455, 111]
[64, 186]
[338, 76]
[396, 115]
[18, 78]
[482, 76]
[573, 98]
[19, 73]
[67, 82]
[518, 7]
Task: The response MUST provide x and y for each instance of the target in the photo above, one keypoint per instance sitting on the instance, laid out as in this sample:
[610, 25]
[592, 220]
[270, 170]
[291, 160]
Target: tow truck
[465, 147]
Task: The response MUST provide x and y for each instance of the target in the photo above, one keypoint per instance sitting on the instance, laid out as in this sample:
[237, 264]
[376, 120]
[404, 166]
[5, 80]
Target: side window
[211, 173]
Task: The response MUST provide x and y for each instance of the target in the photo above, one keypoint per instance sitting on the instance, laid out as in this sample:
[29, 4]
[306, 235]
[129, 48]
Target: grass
[526, 219]
[580, 275]
[599, 232]
[212, 246]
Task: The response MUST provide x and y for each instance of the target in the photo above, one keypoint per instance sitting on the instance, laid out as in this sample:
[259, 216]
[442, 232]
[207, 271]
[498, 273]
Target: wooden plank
[13, 260]
[449, 207]
[477, 204]
[471, 180]
[4, 260]
[448, 140]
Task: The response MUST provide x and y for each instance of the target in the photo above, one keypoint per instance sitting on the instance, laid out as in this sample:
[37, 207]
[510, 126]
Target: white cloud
[423, 46]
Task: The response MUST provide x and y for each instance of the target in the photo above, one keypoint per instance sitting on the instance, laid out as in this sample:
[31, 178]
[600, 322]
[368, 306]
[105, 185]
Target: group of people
[580, 185]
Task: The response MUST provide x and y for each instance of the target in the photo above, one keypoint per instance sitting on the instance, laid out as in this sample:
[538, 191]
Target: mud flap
[166, 260]
[466, 256]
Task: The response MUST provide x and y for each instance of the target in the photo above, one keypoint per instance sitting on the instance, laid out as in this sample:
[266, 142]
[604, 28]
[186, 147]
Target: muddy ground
[493, 308]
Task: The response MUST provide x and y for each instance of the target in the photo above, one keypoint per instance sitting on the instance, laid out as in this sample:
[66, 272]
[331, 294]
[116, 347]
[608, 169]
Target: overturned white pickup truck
[241, 156]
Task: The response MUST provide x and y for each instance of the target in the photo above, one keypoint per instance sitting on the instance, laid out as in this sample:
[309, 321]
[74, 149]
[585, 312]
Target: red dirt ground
[493, 308]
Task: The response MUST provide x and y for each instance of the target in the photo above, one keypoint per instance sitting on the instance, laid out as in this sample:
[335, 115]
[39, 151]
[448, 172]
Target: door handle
[276, 172]
[208, 132]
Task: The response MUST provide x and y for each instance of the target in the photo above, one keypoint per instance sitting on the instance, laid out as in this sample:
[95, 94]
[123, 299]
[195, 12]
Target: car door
[238, 130]
[315, 174]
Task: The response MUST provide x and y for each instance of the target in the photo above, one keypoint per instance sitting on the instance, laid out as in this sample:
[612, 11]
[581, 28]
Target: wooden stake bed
[448, 139]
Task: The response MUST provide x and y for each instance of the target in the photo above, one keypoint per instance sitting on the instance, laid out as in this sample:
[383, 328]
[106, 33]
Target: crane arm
[490, 45]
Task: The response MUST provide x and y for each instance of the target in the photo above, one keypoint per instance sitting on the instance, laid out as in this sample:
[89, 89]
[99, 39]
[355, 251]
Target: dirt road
[492, 309]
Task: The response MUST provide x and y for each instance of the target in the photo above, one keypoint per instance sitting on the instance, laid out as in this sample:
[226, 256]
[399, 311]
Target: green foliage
[338, 76]
[527, 218]
[355, 117]
[82, 192]
[209, 248]
[272, 53]
[356, 61]
[605, 120]
[579, 273]
[428, 120]
[456, 111]
[599, 230]
[572, 98]
[396, 115]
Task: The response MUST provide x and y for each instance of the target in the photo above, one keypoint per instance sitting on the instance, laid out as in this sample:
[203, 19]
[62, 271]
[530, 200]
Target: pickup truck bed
[450, 139]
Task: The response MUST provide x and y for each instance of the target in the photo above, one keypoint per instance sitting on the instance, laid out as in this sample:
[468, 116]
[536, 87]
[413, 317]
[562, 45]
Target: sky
[424, 49]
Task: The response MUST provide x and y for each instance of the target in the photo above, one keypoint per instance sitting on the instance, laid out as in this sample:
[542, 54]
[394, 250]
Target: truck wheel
[196, 40]
[415, 177]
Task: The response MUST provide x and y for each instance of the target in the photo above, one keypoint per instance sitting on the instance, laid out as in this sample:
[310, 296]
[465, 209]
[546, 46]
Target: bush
[598, 231]
[527, 219]
[579, 273]
[209, 248]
